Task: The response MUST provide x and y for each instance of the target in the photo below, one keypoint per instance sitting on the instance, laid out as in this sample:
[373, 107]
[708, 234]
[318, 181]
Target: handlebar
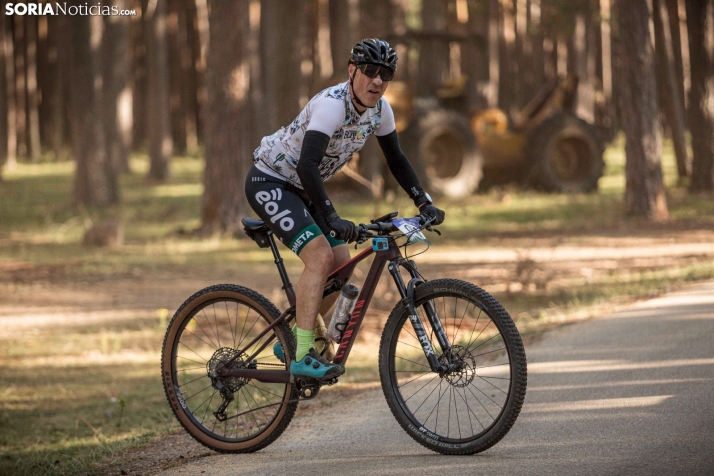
[384, 227]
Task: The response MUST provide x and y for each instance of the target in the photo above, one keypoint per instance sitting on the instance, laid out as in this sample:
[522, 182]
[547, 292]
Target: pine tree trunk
[139, 31]
[676, 36]
[585, 61]
[343, 35]
[55, 96]
[700, 26]
[158, 112]
[95, 179]
[374, 20]
[494, 56]
[178, 126]
[644, 190]
[188, 73]
[670, 101]
[434, 52]
[33, 99]
[9, 94]
[43, 79]
[508, 73]
[116, 89]
[202, 33]
[228, 152]
[280, 56]
[20, 85]
[3, 100]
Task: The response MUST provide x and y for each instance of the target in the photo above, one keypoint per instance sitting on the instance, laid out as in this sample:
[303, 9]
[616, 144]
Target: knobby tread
[273, 313]
[516, 353]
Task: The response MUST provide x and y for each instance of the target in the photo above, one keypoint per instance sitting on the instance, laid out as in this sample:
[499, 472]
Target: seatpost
[287, 285]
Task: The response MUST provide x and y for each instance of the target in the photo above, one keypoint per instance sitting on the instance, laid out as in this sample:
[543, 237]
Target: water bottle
[343, 310]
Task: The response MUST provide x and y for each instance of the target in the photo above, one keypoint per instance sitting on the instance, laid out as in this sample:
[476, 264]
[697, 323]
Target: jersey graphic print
[278, 153]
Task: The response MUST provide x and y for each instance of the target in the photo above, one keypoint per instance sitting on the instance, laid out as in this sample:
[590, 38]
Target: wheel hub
[462, 367]
[219, 359]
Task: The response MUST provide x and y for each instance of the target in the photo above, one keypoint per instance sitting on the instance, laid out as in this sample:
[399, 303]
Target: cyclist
[285, 185]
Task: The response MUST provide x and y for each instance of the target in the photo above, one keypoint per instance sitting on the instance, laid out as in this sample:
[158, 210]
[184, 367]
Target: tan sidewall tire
[211, 293]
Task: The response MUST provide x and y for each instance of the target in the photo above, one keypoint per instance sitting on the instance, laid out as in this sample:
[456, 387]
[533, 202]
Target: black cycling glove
[344, 229]
[436, 214]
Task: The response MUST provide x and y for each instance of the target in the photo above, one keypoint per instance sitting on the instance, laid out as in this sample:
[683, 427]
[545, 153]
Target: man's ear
[351, 69]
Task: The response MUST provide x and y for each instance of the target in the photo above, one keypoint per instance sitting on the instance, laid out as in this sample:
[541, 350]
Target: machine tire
[444, 153]
[566, 155]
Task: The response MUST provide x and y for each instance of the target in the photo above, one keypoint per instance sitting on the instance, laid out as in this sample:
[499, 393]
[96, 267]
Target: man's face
[369, 90]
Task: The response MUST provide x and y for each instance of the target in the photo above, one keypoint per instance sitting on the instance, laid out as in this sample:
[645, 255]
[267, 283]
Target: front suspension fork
[407, 294]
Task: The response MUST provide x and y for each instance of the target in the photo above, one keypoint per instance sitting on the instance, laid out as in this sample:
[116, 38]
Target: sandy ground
[32, 296]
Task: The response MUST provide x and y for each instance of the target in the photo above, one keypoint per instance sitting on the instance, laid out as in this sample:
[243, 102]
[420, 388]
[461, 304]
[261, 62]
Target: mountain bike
[451, 361]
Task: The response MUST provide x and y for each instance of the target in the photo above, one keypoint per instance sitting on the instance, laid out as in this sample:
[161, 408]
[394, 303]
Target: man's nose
[378, 80]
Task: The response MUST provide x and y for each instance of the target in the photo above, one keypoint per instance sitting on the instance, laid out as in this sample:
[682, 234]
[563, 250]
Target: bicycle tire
[202, 335]
[493, 377]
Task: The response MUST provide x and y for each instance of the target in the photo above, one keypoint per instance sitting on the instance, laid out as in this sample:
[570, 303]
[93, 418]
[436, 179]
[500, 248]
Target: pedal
[307, 387]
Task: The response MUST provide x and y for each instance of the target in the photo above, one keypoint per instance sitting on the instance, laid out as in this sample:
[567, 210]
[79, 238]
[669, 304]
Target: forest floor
[80, 353]
[82, 327]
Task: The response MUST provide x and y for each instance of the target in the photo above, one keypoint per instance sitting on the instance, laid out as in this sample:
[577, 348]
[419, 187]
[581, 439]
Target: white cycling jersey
[331, 112]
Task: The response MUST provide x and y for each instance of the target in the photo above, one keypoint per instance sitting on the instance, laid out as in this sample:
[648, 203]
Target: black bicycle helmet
[375, 51]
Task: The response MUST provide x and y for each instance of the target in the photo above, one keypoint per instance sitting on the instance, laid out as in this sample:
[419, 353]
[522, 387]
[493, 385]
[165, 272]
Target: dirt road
[629, 393]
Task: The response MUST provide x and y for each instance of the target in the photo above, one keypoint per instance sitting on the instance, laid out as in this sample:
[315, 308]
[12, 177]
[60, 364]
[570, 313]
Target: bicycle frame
[335, 281]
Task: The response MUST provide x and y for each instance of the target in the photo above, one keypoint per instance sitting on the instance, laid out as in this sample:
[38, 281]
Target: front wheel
[471, 407]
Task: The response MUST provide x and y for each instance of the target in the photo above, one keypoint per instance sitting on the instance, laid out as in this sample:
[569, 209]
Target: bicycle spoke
[258, 388]
[208, 321]
[230, 323]
[207, 408]
[505, 393]
[470, 412]
[484, 342]
[456, 328]
[251, 328]
[407, 383]
[405, 401]
[422, 365]
[197, 337]
[189, 398]
[489, 352]
[413, 346]
[484, 394]
[203, 364]
[478, 318]
[215, 321]
[186, 383]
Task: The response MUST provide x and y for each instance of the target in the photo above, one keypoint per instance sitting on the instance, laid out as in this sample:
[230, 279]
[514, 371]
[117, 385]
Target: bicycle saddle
[253, 224]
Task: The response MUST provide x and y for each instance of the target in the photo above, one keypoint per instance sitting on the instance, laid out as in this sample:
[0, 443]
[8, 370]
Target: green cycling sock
[305, 342]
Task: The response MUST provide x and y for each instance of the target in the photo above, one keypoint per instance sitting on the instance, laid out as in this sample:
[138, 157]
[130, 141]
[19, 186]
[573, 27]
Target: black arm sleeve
[399, 165]
[314, 145]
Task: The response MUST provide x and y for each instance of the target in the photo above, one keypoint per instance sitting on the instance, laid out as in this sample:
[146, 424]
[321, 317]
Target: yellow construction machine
[545, 145]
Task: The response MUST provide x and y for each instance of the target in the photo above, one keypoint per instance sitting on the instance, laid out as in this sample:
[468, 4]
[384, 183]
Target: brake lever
[364, 235]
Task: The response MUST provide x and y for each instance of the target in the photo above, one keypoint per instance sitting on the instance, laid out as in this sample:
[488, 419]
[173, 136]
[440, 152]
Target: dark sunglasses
[372, 70]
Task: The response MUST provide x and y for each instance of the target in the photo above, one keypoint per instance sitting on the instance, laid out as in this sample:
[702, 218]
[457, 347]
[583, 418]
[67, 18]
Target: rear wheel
[227, 414]
[470, 408]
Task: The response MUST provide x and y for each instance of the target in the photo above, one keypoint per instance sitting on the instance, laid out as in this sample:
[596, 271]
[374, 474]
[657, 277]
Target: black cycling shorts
[286, 210]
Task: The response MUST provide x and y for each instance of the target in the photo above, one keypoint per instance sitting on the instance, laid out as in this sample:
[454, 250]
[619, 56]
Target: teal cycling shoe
[315, 366]
[278, 351]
